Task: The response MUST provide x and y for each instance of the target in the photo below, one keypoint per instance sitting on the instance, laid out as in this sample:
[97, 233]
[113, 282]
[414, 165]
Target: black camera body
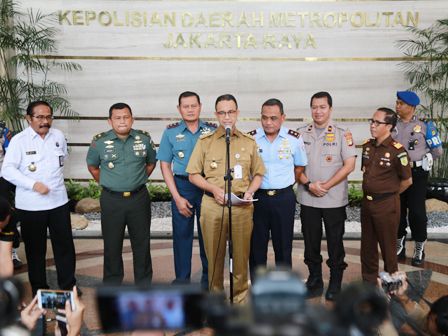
[389, 282]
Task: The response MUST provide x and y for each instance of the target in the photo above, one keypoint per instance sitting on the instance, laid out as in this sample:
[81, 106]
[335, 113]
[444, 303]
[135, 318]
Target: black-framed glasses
[41, 118]
[221, 114]
[377, 123]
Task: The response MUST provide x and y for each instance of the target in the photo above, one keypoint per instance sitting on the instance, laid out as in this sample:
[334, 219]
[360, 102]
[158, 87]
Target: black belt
[209, 194]
[124, 193]
[272, 192]
[378, 197]
[182, 177]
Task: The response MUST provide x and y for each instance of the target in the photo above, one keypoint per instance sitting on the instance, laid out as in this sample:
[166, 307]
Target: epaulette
[426, 121]
[396, 144]
[173, 125]
[142, 132]
[203, 136]
[248, 136]
[252, 132]
[294, 133]
[101, 135]
[211, 124]
[367, 141]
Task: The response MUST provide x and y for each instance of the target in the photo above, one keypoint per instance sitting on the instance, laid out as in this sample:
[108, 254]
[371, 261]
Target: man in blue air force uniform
[175, 149]
[284, 157]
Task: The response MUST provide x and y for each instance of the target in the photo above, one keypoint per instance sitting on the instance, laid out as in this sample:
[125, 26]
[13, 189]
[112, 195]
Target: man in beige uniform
[207, 168]
[323, 194]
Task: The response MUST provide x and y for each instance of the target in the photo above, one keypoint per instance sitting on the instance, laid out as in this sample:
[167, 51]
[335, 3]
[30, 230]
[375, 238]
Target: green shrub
[158, 192]
[77, 192]
[355, 195]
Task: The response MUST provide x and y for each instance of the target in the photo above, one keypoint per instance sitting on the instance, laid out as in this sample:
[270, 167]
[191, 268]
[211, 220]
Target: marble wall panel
[359, 66]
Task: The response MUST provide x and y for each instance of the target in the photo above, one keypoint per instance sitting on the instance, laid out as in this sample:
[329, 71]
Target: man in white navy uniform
[34, 163]
[323, 193]
[284, 157]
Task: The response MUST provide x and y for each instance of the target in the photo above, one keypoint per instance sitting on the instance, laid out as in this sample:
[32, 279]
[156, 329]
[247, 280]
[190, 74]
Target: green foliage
[427, 73]
[158, 192]
[77, 192]
[355, 195]
[27, 43]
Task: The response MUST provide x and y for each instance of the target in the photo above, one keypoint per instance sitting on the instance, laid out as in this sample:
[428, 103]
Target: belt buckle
[126, 194]
[370, 198]
[271, 192]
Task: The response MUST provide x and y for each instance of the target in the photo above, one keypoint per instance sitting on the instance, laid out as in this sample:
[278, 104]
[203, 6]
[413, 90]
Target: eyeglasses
[41, 118]
[221, 114]
[377, 123]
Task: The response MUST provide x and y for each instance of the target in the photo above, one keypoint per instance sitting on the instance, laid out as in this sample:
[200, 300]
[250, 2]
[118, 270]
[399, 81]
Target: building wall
[255, 50]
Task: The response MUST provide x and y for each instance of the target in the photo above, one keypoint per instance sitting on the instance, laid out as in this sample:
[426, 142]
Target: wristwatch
[251, 191]
[307, 186]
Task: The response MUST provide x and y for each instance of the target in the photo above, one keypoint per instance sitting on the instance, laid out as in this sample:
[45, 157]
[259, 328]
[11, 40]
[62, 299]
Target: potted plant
[427, 71]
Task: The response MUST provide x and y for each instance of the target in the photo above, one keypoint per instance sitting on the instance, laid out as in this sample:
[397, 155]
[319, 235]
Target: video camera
[278, 308]
[389, 282]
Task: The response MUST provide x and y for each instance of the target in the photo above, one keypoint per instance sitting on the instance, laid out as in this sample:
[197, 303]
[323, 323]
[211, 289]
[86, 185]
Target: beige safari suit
[212, 148]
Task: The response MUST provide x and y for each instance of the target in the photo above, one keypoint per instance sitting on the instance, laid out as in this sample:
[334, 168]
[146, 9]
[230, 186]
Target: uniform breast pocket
[214, 167]
[141, 153]
[179, 149]
[31, 164]
[331, 156]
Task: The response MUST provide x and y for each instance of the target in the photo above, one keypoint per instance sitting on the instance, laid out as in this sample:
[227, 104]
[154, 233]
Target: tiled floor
[432, 279]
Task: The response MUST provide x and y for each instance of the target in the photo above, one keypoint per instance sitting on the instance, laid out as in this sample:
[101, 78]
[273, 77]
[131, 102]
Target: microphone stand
[228, 178]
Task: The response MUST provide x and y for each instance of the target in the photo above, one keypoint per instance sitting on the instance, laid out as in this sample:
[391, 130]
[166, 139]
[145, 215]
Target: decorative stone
[436, 205]
[78, 222]
[88, 205]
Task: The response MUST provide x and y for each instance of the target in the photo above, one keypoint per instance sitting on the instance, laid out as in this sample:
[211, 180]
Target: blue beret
[408, 97]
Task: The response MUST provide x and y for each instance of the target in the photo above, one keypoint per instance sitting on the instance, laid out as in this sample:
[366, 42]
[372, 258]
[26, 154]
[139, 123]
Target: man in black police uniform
[121, 160]
[420, 139]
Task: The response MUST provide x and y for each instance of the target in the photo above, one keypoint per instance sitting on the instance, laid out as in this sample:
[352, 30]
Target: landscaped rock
[436, 205]
[78, 222]
[88, 205]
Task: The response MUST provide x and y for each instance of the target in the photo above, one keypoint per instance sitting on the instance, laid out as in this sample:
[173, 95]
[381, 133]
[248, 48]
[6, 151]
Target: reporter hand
[400, 293]
[31, 314]
[74, 318]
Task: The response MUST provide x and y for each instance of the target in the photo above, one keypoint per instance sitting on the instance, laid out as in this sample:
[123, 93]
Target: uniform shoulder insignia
[99, 136]
[367, 141]
[142, 132]
[173, 125]
[248, 136]
[426, 121]
[396, 144]
[294, 133]
[205, 135]
[252, 132]
[211, 124]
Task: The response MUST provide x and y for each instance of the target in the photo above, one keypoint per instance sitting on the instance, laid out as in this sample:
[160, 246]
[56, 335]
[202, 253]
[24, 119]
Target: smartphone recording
[54, 299]
[154, 307]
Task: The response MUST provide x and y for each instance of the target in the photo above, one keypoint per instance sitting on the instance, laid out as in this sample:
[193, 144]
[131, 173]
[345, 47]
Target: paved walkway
[433, 276]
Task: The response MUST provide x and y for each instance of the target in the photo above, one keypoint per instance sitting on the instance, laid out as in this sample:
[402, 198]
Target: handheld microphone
[228, 128]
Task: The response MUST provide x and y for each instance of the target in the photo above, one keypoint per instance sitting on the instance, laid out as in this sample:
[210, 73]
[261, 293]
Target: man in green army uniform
[121, 160]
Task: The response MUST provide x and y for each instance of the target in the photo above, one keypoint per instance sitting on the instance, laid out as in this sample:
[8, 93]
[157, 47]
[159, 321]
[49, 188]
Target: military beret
[408, 97]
